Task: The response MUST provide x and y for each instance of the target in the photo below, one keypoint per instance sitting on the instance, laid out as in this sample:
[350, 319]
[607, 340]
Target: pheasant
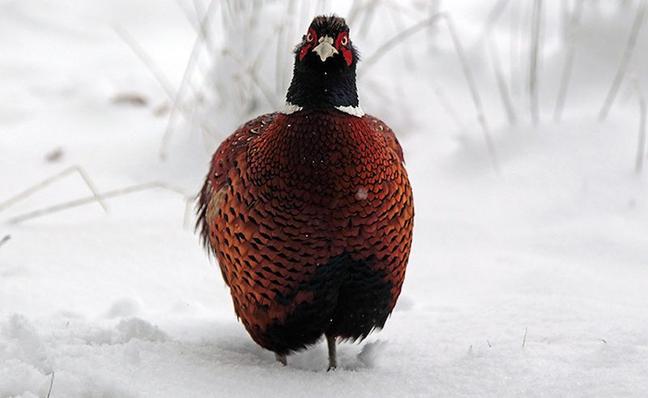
[309, 211]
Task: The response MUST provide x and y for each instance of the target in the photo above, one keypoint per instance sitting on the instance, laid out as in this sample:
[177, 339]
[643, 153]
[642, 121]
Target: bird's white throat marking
[351, 110]
[289, 108]
[356, 111]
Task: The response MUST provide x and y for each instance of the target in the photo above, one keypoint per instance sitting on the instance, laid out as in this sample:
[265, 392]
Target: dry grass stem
[571, 28]
[265, 90]
[188, 14]
[91, 199]
[156, 72]
[514, 16]
[370, 11]
[526, 330]
[186, 82]
[493, 16]
[396, 18]
[189, 205]
[445, 103]
[49, 391]
[501, 83]
[203, 28]
[283, 35]
[481, 117]
[354, 11]
[146, 59]
[397, 39]
[534, 61]
[565, 19]
[433, 9]
[48, 181]
[258, 82]
[641, 142]
[4, 240]
[625, 60]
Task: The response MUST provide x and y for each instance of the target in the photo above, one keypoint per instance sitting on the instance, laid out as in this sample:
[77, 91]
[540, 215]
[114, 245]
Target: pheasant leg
[330, 341]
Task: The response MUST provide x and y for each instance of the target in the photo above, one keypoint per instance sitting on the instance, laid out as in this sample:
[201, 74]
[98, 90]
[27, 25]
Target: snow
[533, 282]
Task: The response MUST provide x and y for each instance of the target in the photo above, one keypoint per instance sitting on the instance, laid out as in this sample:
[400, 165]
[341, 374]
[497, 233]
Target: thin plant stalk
[397, 39]
[265, 90]
[156, 72]
[641, 142]
[625, 60]
[146, 59]
[193, 58]
[354, 11]
[51, 385]
[536, 27]
[188, 14]
[279, 63]
[91, 199]
[524, 338]
[454, 115]
[397, 19]
[501, 83]
[252, 72]
[48, 181]
[368, 18]
[565, 19]
[4, 240]
[493, 16]
[513, 44]
[519, 86]
[434, 8]
[189, 205]
[284, 35]
[569, 59]
[203, 28]
[481, 116]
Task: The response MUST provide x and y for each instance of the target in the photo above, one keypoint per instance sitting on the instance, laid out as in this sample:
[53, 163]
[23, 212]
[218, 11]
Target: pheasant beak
[325, 48]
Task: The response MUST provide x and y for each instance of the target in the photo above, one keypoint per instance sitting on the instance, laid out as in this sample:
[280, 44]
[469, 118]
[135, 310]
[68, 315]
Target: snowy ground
[533, 282]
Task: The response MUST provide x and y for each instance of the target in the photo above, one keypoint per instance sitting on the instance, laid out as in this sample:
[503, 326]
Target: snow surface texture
[533, 282]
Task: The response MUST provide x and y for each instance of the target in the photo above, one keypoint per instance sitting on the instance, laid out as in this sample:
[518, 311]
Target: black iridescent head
[325, 66]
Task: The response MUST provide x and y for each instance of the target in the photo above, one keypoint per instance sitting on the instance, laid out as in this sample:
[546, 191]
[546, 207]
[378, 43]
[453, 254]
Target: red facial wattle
[312, 35]
[342, 44]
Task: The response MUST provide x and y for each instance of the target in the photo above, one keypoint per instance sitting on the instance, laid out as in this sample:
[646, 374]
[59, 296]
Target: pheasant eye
[345, 41]
[309, 37]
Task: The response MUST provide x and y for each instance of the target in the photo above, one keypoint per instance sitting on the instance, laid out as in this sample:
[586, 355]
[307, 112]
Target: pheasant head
[324, 74]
